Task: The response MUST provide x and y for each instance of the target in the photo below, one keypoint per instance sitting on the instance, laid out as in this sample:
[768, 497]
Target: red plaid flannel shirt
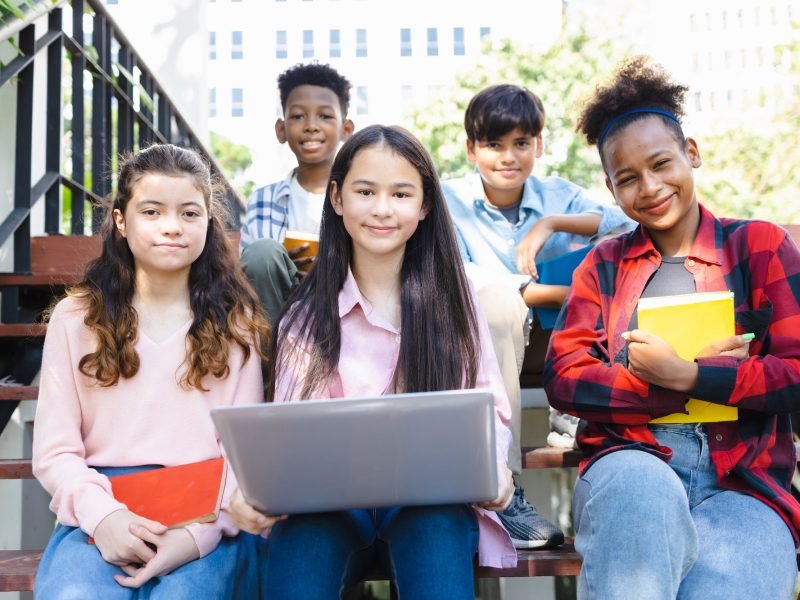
[586, 374]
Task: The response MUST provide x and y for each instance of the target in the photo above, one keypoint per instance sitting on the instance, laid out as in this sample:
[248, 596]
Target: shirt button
[510, 242]
[397, 339]
[727, 473]
[690, 263]
[718, 437]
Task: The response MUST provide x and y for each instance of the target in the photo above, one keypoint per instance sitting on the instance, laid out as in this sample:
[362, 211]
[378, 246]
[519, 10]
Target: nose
[311, 124]
[171, 225]
[382, 205]
[507, 156]
[650, 184]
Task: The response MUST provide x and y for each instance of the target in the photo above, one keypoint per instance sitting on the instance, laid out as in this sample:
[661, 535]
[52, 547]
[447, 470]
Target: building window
[237, 102]
[433, 41]
[336, 44]
[280, 44]
[405, 42]
[458, 41]
[485, 32]
[212, 102]
[237, 49]
[308, 43]
[212, 45]
[361, 43]
[362, 100]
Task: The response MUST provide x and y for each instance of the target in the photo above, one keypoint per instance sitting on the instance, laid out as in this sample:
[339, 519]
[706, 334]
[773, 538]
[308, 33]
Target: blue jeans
[427, 550]
[651, 530]
[73, 569]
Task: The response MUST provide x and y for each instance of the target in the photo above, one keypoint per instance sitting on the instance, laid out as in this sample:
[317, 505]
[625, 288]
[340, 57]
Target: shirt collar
[350, 297]
[706, 246]
[284, 190]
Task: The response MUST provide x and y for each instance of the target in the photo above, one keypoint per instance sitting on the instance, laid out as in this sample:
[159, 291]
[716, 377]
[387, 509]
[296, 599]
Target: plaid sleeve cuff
[716, 378]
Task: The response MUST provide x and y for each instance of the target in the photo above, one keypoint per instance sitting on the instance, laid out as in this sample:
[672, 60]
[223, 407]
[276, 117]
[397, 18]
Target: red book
[174, 496]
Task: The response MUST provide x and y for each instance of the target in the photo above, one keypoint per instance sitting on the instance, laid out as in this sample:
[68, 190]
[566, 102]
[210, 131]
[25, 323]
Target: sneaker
[528, 529]
[563, 428]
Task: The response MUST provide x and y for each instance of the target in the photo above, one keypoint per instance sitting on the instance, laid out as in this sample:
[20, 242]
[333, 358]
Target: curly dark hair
[636, 83]
[315, 74]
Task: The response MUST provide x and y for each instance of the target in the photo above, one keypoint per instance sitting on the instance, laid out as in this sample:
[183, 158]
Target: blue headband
[628, 113]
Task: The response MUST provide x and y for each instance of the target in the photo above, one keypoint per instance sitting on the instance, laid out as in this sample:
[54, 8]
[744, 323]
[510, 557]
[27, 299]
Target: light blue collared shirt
[489, 241]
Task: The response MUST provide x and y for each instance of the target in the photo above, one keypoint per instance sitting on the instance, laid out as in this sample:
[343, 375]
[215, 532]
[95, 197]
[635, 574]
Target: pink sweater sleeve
[81, 497]
[249, 390]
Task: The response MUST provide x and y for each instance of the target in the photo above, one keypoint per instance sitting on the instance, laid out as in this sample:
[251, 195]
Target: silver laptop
[396, 450]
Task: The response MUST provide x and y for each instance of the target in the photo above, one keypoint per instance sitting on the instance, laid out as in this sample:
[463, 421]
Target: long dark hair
[439, 348]
[224, 306]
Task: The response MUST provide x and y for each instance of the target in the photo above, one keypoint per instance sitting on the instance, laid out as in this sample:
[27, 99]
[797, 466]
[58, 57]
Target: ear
[423, 212]
[693, 153]
[471, 157]
[280, 130]
[119, 221]
[539, 145]
[347, 129]
[336, 199]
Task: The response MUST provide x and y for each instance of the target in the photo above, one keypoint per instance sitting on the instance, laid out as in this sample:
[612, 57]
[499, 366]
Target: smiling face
[313, 124]
[650, 175]
[165, 223]
[504, 164]
[380, 202]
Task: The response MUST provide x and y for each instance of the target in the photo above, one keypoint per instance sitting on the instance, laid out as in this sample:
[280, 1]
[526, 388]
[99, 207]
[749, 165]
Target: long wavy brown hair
[224, 306]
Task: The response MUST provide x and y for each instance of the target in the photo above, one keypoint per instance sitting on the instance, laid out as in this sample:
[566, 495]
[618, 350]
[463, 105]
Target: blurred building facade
[398, 54]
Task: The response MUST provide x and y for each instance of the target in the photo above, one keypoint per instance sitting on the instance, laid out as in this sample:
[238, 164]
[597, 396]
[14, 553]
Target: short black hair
[315, 74]
[498, 109]
[636, 83]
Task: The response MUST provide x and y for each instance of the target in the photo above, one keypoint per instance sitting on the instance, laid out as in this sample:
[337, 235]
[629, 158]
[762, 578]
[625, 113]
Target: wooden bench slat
[561, 561]
[18, 569]
[19, 392]
[22, 330]
[550, 457]
[15, 468]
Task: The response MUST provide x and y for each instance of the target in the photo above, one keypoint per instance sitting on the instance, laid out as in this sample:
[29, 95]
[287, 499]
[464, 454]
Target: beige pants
[507, 316]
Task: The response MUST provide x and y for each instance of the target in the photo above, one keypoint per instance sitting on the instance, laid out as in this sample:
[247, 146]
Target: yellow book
[689, 323]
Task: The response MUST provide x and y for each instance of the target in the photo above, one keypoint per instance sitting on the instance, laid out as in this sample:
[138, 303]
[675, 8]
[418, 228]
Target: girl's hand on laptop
[248, 518]
[505, 490]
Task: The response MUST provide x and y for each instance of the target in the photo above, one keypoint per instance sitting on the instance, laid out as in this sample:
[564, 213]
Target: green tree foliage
[755, 173]
[559, 76]
[234, 160]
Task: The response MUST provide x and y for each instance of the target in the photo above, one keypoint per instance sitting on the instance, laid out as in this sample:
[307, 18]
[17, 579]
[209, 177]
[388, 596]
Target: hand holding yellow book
[689, 323]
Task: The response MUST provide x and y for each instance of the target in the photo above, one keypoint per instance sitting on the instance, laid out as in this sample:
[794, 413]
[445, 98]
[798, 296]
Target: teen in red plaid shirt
[686, 510]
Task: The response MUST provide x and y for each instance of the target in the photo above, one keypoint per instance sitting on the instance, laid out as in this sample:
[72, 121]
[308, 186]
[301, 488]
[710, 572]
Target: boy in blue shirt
[506, 219]
[315, 99]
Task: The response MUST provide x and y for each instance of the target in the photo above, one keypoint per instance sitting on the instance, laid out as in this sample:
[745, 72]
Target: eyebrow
[304, 107]
[159, 203]
[399, 184]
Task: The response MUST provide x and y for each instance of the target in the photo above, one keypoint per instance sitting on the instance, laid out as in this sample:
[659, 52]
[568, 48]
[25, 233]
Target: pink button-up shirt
[367, 361]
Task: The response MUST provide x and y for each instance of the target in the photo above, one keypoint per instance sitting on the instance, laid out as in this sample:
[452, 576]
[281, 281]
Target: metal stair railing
[128, 109]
